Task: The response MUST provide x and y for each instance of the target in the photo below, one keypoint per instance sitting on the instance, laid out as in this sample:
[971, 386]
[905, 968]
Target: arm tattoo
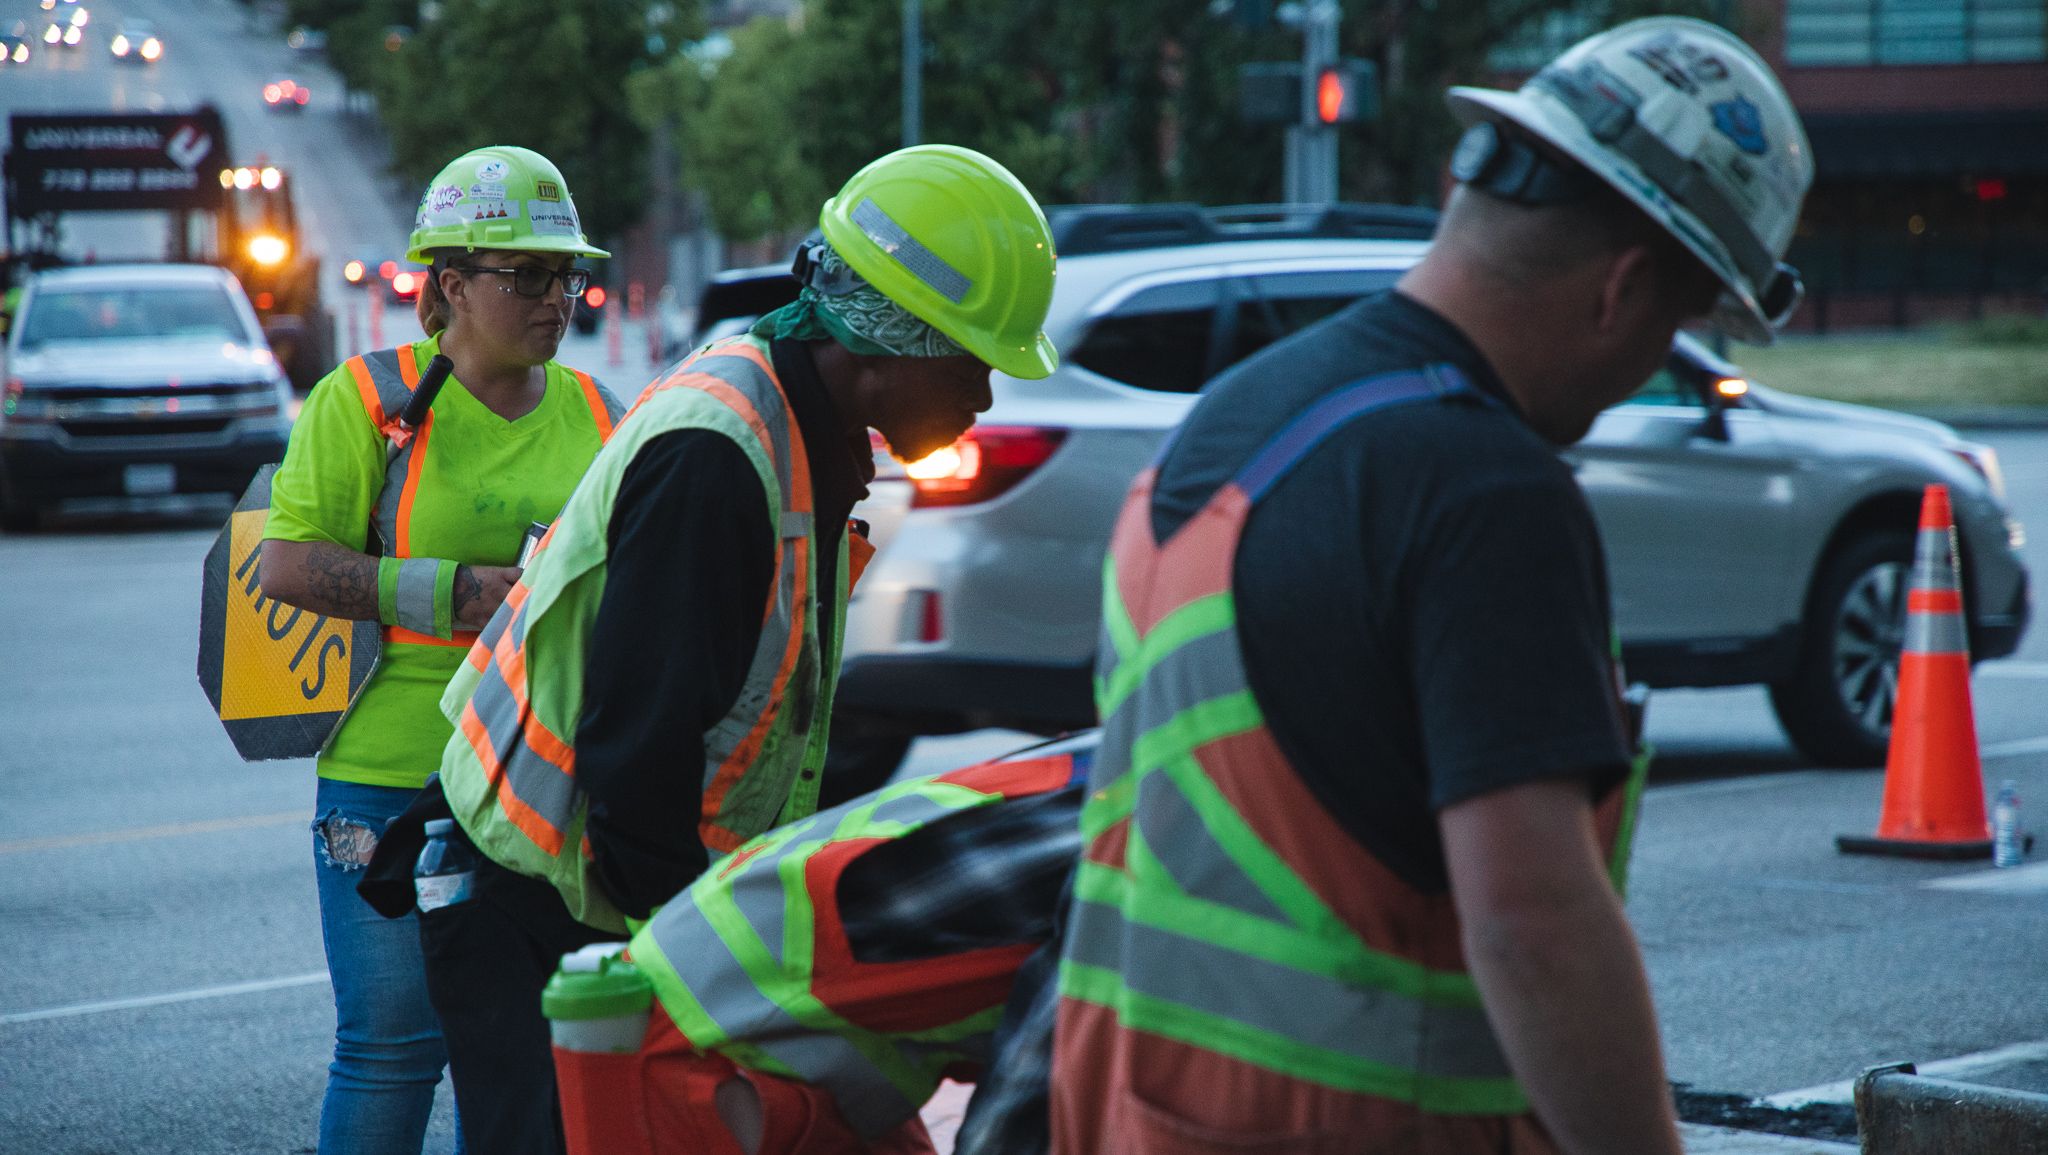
[467, 588]
[342, 582]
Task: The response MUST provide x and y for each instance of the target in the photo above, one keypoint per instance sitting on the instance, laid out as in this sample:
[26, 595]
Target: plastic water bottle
[2005, 825]
[446, 873]
[598, 1002]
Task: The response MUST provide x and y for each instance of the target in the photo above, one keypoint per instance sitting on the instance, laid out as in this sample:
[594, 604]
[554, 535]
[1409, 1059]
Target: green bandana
[861, 318]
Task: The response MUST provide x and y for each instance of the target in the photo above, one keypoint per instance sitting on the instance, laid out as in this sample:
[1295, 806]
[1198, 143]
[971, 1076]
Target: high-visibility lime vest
[1234, 960]
[509, 773]
[386, 379]
[752, 961]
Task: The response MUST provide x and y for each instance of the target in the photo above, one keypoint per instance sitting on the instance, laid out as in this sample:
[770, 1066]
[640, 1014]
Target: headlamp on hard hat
[812, 270]
[1504, 165]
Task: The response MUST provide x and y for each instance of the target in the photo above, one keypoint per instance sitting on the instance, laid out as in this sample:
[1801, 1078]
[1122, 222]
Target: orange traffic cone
[1933, 782]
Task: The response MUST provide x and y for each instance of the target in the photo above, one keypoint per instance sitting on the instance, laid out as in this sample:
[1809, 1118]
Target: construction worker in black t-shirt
[1359, 821]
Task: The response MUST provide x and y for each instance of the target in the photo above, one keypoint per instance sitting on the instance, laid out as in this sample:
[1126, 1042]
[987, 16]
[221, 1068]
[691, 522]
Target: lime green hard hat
[500, 197]
[950, 235]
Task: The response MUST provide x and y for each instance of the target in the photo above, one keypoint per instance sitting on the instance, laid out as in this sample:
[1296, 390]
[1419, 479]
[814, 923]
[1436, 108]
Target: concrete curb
[1700, 1139]
[1986, 416]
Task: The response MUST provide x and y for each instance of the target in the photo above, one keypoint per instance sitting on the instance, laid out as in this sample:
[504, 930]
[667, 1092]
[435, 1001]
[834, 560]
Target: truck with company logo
[141, 380]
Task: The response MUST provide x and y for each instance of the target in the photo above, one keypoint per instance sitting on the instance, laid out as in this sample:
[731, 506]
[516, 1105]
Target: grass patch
[1982, 364]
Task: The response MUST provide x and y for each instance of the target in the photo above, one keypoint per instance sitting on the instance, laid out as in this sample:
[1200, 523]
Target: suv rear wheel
[1837, 705]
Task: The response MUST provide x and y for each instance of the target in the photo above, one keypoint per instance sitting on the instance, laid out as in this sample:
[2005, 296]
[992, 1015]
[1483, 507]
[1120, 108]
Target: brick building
[1929, 125]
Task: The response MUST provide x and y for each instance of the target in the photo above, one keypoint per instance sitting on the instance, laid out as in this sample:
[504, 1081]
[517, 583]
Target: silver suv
[135, 380]
[1753, 536]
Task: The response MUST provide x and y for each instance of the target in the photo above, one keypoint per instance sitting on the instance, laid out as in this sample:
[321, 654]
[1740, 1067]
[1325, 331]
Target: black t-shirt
[1422, 601]
[689, 562]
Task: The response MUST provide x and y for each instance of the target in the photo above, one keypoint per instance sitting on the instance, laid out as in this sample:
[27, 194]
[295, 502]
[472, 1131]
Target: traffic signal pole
[1311, 171]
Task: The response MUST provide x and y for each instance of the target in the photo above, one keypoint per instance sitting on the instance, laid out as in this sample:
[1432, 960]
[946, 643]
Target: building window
[1852, 33]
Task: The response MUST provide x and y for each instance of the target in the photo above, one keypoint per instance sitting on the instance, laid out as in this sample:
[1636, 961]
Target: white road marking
[219, 992]
[1960, 1067]
[2012, 880]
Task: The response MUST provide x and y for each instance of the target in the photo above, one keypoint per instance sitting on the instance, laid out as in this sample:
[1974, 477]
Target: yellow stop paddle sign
[280, 677]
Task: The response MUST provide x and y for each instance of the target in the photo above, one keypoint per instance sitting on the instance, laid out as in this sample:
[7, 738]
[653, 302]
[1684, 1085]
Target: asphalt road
[162, 985]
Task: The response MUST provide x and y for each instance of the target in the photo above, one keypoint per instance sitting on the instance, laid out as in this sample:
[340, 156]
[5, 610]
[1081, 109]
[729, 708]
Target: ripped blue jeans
[388, 1054]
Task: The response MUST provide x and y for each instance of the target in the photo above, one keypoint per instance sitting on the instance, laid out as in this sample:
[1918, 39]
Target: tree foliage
[537, 73]
[1135, 100]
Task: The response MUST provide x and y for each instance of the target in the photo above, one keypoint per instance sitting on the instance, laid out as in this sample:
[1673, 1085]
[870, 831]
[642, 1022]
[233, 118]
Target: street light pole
[913, 72]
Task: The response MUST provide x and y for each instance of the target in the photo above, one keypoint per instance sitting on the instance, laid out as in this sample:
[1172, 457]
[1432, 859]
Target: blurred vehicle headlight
[266, 249]
[119, 46]
[152, 48]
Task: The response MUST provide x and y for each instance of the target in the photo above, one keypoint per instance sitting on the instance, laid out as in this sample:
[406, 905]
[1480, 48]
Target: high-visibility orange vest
[386, 379]
[510, 771]
[752, 962]
[1237, 971]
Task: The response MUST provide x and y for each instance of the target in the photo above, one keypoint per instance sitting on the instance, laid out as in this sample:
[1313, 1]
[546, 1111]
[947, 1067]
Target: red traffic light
[1332, 94]
[595, 296]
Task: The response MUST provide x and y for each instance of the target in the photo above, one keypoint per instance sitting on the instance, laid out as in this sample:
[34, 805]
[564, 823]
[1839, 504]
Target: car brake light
[986, 462]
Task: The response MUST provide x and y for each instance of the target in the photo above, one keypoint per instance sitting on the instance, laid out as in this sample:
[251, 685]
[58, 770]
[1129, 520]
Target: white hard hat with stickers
[1684, 120]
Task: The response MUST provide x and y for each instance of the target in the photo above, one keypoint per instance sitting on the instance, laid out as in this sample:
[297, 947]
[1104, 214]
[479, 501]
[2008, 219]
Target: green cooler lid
[592, 985]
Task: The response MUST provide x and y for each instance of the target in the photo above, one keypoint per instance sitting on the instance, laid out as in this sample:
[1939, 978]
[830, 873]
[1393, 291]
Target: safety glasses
[533, 280]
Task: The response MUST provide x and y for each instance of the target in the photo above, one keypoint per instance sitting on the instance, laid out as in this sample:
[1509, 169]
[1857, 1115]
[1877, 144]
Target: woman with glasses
[421, 529]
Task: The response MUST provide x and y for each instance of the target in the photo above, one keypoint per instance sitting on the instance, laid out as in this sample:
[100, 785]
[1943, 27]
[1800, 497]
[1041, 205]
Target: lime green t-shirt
[483, 482]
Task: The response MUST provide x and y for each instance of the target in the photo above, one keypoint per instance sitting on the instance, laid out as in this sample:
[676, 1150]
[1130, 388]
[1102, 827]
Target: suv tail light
[987, 461]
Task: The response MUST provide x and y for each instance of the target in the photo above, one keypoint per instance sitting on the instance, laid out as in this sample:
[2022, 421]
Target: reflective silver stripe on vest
[719, 982]
[1190, 855]
[1934, 566]
[538, 784]
[1365, 1023]
[757, 693]
[392, 394]
[924, 264]
[532, 779]
[1201, 670]
[614, 409]
[414, 598]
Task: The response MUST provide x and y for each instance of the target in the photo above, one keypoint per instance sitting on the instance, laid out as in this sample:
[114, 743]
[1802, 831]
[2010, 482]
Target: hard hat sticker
[493, 171]
[441, 199]
[494, 191]
[553, 220]
[547, 190]
[1740, 122]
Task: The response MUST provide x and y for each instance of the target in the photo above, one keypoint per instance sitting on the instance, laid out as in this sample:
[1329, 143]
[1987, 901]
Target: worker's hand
[479, 591]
